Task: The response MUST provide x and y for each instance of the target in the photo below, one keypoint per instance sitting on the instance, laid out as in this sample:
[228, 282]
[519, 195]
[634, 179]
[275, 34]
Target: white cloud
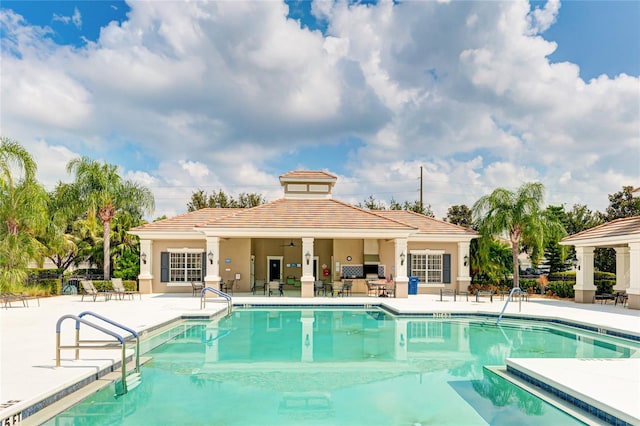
[218, 95]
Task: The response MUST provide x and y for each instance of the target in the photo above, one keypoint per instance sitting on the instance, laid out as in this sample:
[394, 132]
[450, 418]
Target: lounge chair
[120, 291]
[8, 297]
[90, 290]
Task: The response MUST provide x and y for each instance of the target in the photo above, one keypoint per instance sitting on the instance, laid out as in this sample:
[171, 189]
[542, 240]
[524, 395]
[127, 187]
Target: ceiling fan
[291, 244]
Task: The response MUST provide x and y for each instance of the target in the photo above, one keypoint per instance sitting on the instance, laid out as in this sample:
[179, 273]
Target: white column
[401, 258]
[400, 276]
[584, 288]
[146, 248]
[213, 262]
[463, 252]
[463, 279]
[307, 279]
[634, 269]
[622, 268]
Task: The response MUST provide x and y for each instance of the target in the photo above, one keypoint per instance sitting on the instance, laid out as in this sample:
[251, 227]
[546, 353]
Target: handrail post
[77, 341]
[513, 290]
[57, 349]
[124, 368]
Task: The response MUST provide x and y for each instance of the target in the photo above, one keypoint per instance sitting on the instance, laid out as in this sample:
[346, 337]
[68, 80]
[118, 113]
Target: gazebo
[623, 235]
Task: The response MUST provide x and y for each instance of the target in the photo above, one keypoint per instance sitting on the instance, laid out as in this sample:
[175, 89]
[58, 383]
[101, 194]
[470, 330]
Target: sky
[220, 95]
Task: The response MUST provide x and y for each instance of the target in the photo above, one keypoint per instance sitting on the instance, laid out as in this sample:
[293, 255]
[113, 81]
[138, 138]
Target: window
[427, 267]
[185, 267]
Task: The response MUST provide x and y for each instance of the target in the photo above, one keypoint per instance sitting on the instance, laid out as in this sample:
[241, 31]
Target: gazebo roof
[617, 232]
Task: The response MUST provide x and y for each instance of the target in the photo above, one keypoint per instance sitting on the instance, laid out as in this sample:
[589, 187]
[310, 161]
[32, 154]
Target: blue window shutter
[204, 265]
[408, 264]
[446, 268]
[164, 267]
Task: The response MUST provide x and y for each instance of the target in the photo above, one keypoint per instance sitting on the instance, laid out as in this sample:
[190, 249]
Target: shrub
[604, 286]
[561, 288]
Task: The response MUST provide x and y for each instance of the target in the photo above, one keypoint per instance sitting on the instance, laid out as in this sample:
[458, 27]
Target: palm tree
[518, 215]
[104, 193]
[22, 212]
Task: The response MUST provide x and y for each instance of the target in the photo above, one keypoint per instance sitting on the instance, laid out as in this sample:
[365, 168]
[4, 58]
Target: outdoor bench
[484, 294]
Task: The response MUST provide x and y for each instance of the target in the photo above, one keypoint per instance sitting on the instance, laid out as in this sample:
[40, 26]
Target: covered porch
[623, 235]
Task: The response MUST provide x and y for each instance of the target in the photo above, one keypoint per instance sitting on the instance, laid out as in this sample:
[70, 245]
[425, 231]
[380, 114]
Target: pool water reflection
[355, 366]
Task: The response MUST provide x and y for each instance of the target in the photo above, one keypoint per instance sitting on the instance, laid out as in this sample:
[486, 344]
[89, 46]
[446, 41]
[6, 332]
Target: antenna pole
[421, 205]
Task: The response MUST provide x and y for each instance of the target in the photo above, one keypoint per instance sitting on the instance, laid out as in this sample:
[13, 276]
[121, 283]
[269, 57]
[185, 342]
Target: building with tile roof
[623, 235]
[304, 237]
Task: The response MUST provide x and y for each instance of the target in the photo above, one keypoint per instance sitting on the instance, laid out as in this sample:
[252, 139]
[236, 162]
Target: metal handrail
[513, 290]
[122, 327]
[93, 344]
[219, 293]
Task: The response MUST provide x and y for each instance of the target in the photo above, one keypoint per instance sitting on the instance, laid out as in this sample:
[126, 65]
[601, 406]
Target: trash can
[413, 285]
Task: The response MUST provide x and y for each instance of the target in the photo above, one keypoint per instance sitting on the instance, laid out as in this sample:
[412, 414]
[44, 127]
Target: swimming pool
[321, 366]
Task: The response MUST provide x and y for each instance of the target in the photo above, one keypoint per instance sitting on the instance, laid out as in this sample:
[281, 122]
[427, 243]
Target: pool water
[340, 367]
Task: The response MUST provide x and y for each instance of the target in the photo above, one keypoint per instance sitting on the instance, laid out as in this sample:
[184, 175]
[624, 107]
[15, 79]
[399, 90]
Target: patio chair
[120, 291]
[196, 287]
[372, 289]
[318, 286]
[622, 298]
[275, 286]
[390, 288]
[90, 290]
[258, 284]
[338, 288]
[346, 287]
[227, 286]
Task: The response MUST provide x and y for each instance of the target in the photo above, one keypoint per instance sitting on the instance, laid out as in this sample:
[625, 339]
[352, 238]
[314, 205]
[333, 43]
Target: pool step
[133, 380]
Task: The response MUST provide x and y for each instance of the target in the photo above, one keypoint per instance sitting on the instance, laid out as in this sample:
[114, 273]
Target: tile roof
[425, 224]
[186, 221]
[308, 175]
[616, 228]
[307, 213]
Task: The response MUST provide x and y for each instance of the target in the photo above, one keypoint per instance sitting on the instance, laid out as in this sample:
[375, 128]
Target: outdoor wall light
[576, 262]
[402, 256]
[143, 257]
[210, 256]
[308, 257]
[466, 260]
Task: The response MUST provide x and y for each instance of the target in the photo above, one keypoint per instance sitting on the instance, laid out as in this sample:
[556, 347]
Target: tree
[103, 193]
[554, 253]
[412, 207]
[200, 200]
[372, 204]
[22, 212]
[623, 204]
[68, 236]
[516, 214]
[459, 215]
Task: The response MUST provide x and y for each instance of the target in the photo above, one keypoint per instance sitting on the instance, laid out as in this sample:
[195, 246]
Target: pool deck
[28, 373]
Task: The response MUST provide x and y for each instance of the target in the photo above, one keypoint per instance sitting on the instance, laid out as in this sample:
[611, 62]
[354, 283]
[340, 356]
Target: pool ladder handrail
[219, 293]
[513, 290]
[99, 344]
